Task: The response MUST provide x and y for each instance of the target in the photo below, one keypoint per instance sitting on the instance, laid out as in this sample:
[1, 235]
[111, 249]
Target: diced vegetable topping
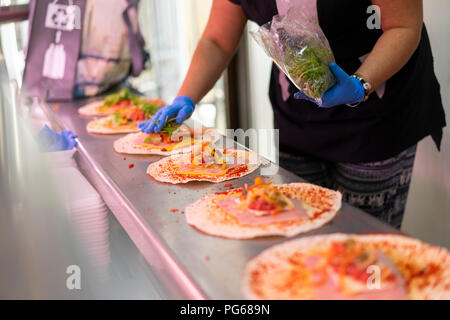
[170, 127]
[350, 261]
[165, 135]
[126, 98]
[140, 112]
[208, 156]
[311, 69]
[264, 197]
[115, 98]
[148, 107]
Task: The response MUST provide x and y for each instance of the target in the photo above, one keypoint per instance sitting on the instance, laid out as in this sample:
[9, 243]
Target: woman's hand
[401, 21]
[347, 90]
[181, 108]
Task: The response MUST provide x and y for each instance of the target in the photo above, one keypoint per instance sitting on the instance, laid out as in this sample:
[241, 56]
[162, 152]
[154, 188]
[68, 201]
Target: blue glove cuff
[359, 92]
[185, 99]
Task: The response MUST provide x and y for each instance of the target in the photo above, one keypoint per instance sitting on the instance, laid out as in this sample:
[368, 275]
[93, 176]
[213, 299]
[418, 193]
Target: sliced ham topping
[357, 288]
[254, 217]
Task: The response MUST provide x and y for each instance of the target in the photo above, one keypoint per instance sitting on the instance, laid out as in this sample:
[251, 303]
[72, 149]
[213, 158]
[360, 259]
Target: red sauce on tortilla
[234, 171]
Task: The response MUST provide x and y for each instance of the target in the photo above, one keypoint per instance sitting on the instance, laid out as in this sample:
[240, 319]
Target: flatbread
[92, 109]
[164, 170]
[100, 126]
[131, 143]
[277, 274]
[321, 204]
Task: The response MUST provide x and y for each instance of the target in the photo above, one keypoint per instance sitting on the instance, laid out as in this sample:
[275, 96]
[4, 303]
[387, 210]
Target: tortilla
[166, 170]
[134, 142]
[210, 216]
[102, 126]
[282, 272]
[93, 109]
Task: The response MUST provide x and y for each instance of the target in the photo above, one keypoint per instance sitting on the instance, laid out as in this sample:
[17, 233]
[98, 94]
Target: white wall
[428, 210]
[260, 115]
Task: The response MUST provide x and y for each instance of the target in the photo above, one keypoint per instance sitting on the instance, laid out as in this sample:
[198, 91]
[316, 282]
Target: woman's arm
[213, 53]
[215, 49]
[401, 21]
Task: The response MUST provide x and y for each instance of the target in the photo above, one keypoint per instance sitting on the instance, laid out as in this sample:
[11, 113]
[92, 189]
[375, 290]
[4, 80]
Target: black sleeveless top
[410, 109]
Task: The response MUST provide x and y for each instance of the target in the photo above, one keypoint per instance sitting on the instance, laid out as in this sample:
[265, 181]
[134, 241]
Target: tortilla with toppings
[115, 103]
[204, 163]
[344, 266]
[165, 143]
[123, 121]
[264, 210]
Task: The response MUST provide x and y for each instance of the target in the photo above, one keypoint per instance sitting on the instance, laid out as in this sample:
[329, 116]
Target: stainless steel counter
[187, 263]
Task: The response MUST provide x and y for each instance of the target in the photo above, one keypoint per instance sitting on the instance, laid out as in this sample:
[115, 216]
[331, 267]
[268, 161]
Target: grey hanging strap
[136, 41]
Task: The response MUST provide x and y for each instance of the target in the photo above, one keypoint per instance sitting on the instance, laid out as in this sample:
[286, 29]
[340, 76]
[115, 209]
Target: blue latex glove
[347, 90]
[51, 141]
[182, 107]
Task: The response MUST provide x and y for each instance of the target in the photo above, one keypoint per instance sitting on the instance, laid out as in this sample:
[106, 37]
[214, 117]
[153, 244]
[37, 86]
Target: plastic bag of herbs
[298, 46]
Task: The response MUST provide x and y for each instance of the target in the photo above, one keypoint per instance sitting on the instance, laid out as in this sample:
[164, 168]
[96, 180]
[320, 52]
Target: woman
[367, 152]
